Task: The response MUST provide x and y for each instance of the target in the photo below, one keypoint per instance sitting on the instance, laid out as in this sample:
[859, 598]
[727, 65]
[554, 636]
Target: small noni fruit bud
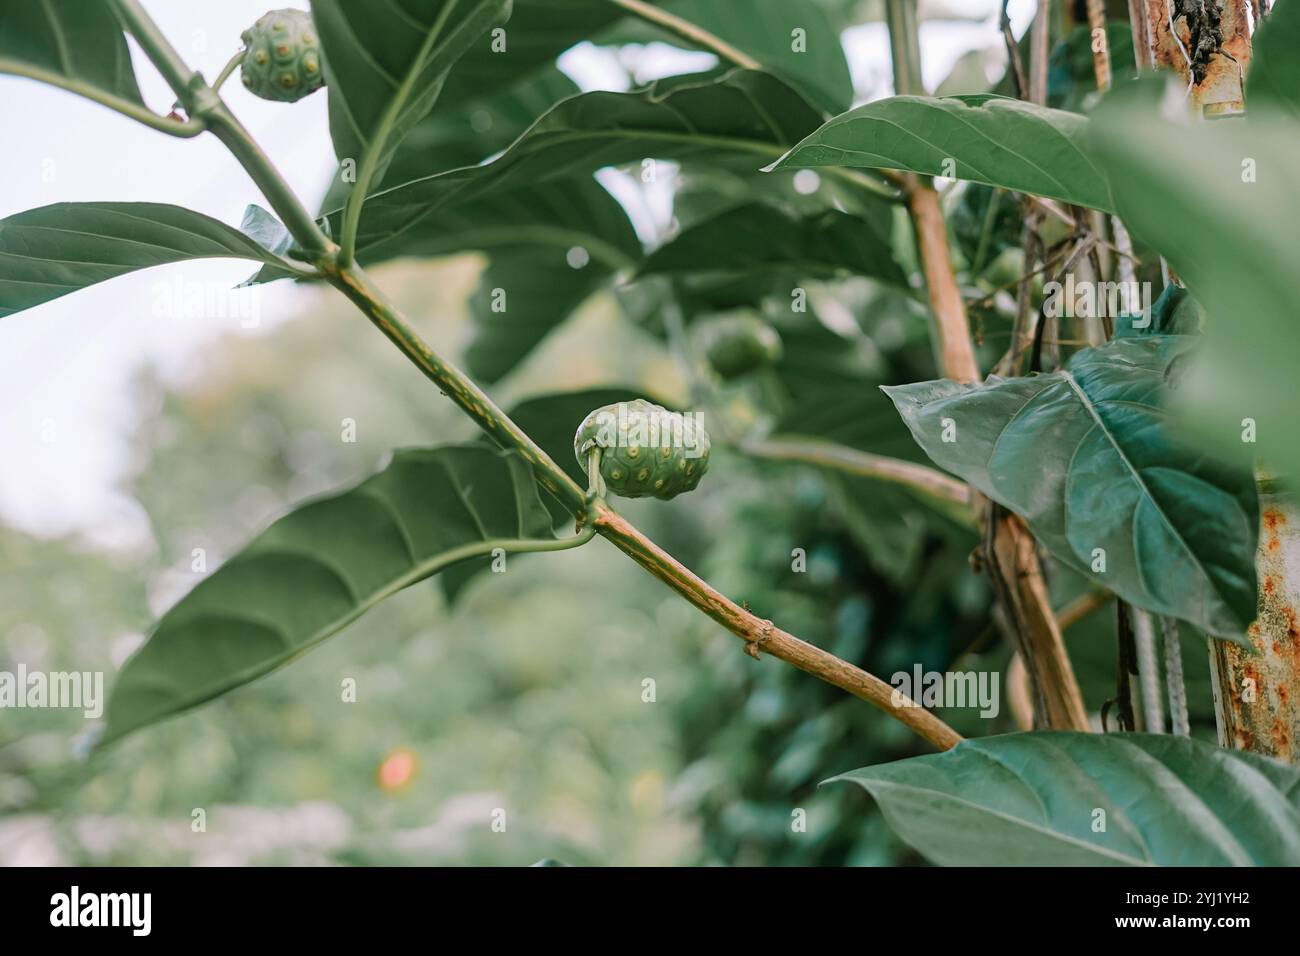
[738, 344]
[646, 450]
[282, 58]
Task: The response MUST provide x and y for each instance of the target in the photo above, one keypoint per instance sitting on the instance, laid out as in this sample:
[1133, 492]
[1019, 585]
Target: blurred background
[147, 425]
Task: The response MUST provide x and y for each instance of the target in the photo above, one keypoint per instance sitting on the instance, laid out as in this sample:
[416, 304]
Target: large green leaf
[538, 195]
[540, 30]
[321, 567]
[1090, 458]
[527, 232]
[1074, 799]
[521, 297]
[762, 237]
[1274, 77]
[464, 132]
[385, 64]
[54, 250]
[78, 40]
[796, 41]
[1222, 208]
[743, 113]
[987, 139]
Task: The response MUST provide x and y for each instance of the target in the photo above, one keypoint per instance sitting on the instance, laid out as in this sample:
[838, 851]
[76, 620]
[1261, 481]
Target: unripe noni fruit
[282, 58]
[738, 344]
[645, 450]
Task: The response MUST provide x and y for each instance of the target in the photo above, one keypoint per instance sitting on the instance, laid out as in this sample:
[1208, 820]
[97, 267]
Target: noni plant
[1002, 358]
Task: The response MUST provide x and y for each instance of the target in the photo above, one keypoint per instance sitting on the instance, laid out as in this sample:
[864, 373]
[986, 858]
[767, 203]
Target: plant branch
[956, 352]
[693, 34]
[592, 513]
[141, 114]
[357, 286]
[203, 104]
[928, 481]
[762, 635]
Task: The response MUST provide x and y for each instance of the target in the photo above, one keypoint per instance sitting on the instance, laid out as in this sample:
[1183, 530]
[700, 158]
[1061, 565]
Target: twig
[766, 637]
[928, 481]
[1039, 32]
[184, 128]
[1100, 43]
[1015, 65]
[1081, 607]
[692, 33]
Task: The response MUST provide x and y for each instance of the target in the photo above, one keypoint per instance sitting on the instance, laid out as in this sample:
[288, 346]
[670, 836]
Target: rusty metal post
[1257, 696]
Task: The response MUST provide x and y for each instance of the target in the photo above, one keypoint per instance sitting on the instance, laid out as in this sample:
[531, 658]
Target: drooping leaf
[762, 237]
[742, 113]
[465, 132]
[987, 139]
[521, 297]
[385, 64]
[1222, 208]
[54, 250]
[321, 567]
[1033, 799]
[540, 30]
[795, 41]
[1090, 457]
[77, 40]
[1274, 77]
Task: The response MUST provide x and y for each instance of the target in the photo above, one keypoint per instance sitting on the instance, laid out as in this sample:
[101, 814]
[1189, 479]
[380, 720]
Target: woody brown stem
[762, 636]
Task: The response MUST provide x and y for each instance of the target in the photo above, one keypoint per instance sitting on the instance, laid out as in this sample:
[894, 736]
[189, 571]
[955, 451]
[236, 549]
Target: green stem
[904, 47]
[375, 146]
[141, 114]
[690, 32]
[204, 105]
[920, 478]
[226, 70]
[356, 285]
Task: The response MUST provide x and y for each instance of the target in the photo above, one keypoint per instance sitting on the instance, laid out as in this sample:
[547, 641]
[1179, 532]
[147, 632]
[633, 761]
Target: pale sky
[65, 414]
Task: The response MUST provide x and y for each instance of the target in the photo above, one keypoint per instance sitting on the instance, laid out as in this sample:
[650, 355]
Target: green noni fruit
[282, 58]
[738, 344]
[646, 450]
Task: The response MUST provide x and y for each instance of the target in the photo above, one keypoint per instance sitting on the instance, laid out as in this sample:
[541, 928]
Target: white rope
[1174, 678]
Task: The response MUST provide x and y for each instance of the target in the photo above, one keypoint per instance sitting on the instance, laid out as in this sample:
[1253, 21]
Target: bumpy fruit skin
[738, 344]
[282, 58]
[646, 450]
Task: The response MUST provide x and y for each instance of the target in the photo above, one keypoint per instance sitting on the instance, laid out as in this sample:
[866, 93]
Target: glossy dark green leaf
[521, 297]
[1075, 799]
[80, 40]
[1090, 458]
[1274, 77]
[54, 250]
[540, 30]
[385, 64]
[1222, 208]
[796, 41]
[987, 139]
[742, 113]
[465, 132]
[762, 237]
[321, 567]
